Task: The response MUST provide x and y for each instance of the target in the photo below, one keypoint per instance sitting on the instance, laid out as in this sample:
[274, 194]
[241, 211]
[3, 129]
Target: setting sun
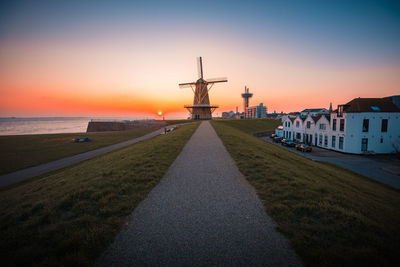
[159, 113]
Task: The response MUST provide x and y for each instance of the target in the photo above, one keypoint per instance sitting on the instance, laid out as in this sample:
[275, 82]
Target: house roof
[370, 105]
[319, 116]
[292, 119]
[314, 109]
[316, 118]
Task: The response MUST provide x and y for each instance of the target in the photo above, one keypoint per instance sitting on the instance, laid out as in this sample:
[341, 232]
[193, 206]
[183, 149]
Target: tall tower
[201, 108]
[246, 97]
[330, 108]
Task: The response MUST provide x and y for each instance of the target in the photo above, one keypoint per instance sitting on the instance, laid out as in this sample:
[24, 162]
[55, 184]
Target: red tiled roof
[370, 105]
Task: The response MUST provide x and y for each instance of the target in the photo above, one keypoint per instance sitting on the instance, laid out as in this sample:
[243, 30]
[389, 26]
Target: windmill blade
[186, 85]
[200, 67]
[217, 80]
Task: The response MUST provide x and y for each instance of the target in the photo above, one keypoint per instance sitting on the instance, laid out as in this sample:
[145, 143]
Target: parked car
[290, 143]
[304, 148]
[273, 135]
[277, 139]
[82, 140]
[283, 142]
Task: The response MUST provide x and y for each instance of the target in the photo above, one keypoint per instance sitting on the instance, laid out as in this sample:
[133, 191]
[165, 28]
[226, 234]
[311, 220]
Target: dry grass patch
[69, 217]
[332, 217]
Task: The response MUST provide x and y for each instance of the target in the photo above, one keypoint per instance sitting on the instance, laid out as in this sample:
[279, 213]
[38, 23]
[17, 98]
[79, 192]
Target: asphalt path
[28, 173]
[202, 213]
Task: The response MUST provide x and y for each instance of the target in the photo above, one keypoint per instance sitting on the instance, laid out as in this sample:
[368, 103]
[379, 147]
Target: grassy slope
[69, 217]
[252, 126]
[21, 151]
[332, 217]
[170, 122]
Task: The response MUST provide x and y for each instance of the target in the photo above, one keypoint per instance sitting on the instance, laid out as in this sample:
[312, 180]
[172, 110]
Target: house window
[381, 139]
[326, 140]
[365, 125]
[364, 144]
[340, 111]
[334, 124]
[341, 141]
[289, 124]
[297, 124]
[320, 139]
[333, 141]
[316, 139]
[290, 135]
[384, 125]
[341, 125]
[322, 126]
[308, 124]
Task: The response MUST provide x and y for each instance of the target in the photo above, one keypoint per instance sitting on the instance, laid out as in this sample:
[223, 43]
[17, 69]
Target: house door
[364, 144]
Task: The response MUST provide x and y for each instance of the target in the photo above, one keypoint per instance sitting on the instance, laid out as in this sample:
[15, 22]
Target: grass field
[332, 217]
[170, 122]
[22, 151]
[252, 126]
[68, 217]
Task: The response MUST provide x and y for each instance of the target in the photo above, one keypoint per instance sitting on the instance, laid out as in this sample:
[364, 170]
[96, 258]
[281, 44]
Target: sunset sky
[126, 58]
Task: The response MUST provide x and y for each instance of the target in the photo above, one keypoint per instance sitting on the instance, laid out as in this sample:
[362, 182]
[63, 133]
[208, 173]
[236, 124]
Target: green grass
[70, 216]
[170, 122]
[252, 126]
[22, 151]
[332, 217]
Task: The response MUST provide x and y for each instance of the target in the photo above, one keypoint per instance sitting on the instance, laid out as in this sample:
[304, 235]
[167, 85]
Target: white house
[362, 125]
[367, 124]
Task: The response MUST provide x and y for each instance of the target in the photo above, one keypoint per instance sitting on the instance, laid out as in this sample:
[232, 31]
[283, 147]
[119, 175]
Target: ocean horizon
[50, 125]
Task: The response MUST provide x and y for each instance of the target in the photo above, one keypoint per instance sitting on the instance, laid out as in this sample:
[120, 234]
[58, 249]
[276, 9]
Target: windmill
[201, 108]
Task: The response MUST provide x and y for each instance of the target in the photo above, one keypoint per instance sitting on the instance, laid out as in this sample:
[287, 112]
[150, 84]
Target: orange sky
[137, 74]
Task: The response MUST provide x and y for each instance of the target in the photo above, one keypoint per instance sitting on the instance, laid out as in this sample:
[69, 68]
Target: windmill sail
[201, 108]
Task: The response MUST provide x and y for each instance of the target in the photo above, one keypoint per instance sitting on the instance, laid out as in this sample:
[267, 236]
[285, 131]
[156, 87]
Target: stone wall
[104, 126]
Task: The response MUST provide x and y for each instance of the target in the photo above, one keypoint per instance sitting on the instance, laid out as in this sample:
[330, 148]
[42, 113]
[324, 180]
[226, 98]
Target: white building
[361, 126]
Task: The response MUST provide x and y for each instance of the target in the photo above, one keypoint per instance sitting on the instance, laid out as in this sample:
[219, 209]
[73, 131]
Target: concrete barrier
[104, 126]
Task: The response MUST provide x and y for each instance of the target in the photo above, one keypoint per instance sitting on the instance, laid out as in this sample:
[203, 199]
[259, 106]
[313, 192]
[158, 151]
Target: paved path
[21, 175]
[372, 167]
[203, 212]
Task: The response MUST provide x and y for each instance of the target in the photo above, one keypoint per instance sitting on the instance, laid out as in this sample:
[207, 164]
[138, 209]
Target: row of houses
[363, 125]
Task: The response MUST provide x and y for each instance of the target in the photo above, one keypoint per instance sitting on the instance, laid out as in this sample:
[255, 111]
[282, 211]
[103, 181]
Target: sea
[43, 125]
[52, 125]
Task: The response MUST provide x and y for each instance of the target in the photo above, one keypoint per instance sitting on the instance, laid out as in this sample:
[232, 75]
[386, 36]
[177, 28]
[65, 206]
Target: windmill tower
[201, 108]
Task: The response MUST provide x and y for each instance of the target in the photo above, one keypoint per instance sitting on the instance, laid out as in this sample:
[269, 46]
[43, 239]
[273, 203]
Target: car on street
[290, 143]
[304, 148]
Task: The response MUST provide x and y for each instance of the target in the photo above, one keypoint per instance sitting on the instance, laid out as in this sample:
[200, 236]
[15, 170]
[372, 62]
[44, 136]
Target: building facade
[256, 112]
[364, 125]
